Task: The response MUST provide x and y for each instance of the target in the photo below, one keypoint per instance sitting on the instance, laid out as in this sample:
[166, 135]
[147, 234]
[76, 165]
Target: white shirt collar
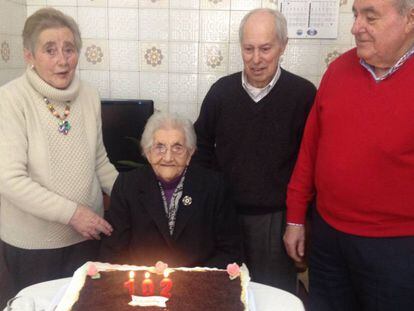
[258, 93]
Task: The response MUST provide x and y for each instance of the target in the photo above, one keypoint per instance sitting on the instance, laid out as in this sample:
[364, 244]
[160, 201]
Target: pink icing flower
[233, 270]
[92, 270]
[160, 267]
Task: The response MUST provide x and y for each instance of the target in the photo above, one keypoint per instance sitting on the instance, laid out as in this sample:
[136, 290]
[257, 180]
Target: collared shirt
[393, 69]
[258, 93]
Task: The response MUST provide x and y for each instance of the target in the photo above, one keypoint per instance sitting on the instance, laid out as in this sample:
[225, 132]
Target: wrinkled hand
[294, 239]
[89, 224]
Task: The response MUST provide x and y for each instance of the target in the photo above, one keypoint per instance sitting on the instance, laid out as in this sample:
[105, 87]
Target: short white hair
[162, 120]
[280, 24]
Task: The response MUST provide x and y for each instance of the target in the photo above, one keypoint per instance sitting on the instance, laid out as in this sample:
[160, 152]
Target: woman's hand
[89, 224]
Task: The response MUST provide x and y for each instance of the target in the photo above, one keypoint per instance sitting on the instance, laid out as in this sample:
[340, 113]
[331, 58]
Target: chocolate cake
[193, 289]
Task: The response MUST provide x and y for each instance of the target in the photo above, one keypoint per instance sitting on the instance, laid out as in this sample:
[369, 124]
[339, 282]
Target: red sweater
[357, 153]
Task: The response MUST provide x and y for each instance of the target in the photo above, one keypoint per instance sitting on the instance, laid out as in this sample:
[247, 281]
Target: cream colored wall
[170, 51]
[12, 16]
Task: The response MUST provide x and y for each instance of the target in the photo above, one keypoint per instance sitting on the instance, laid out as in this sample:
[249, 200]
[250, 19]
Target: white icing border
[78, 280]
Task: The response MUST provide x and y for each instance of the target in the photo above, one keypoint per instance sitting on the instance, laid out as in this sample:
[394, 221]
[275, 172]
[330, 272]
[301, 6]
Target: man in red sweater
[357, 160]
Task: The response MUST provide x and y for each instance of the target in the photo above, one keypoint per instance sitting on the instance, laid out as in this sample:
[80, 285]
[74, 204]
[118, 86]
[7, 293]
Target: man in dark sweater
[250, 127]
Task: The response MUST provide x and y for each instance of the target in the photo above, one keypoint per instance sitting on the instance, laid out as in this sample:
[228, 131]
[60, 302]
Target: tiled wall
[12, 17]
[171, 51]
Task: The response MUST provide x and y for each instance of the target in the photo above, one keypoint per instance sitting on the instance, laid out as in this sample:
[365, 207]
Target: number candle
[166, 286]
[130, 283]
[147, 285]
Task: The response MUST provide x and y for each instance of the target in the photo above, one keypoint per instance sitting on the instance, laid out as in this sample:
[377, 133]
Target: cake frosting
[193, 288]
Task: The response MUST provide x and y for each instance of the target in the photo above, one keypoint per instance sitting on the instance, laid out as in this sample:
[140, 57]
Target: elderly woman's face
[55, 57]
[168, 155]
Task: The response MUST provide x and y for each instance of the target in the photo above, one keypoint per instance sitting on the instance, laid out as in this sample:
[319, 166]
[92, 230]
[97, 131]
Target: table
[265, 298]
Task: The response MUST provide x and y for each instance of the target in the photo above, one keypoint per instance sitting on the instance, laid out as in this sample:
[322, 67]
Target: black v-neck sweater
[255, 145]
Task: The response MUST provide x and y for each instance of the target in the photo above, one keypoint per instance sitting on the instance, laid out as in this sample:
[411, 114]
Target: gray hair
[47, 18]
[161, 120]
[403, 6]
[280, 24]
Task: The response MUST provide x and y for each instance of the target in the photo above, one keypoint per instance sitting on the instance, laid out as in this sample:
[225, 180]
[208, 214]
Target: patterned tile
[154, 56]
[213, 57]
[345, 6]
[245, 4]
[11, 52]
[98, 79]
[12, 18]
[154, 85]
[182, 88]
[36, 2]
[184, 25]
[128, 28]
[72, 11]
[183, 57]
[345, 36]
[235, 59]
[153, 24]
[153, 4]
[215, 4]
[302, 59]
[124, 84]
[93, 22]
[7, 75]
[235, 18]
[94, 55]
[124, 55]
[214, 26]
[123, 3]
[328, 54]
[184, 4]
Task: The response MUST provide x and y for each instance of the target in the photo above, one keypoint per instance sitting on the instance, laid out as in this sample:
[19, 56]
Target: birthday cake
[126, 287]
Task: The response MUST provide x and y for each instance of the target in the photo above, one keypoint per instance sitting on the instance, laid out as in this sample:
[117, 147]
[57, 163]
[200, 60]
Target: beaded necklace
[63, 124]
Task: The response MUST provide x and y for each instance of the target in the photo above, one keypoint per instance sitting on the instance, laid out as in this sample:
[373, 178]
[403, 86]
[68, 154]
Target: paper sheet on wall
[310, 18]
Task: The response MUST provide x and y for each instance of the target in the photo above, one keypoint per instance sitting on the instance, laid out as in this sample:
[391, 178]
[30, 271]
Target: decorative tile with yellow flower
[153, 56]
[5, 51]
[214, 58]
[94, 54]
[331, 56]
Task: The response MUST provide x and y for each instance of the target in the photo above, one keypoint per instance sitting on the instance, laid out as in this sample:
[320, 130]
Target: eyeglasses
[161, 149]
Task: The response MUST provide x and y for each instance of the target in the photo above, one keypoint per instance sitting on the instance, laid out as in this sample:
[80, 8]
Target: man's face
[261, 49]
[382, 34]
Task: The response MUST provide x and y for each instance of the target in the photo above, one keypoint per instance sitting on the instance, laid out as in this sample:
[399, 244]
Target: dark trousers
[266, 258]
[27, 266]
[354, 273]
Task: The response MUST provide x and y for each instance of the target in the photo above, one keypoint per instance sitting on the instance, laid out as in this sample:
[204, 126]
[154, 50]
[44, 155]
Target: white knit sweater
[44, 174]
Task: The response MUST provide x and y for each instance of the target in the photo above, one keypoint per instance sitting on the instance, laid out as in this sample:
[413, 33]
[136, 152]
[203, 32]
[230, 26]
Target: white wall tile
[11, 52]
[184, 4]
[98, 79]
[124, 55]
[271, 4]
[184, 25]
[36, 2]
[123, 23]
[123, 3]
[302, 59]
[213, 57]
[62, 2]
[245, 4]
[205, 81]
[214, 26]
[153, 24]
[182, 88]
[93, 3]
[124, 84]
[183, 57]
[153, 4]
[235, 19]
[214, 4]
[235, 59]
[189, 111]
[7, 75]
[154, 85]
[94, 55]
[93, 22]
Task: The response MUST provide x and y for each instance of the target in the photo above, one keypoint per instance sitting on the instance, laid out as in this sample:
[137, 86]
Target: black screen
[122, 119]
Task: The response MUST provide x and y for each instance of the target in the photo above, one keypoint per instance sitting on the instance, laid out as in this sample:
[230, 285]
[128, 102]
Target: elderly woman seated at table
[171, 211]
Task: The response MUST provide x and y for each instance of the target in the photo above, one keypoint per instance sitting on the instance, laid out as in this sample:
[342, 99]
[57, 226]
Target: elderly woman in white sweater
[53, 165]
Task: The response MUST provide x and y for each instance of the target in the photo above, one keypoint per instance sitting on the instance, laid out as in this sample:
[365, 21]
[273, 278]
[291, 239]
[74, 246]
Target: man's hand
[89, 224]
[294, 239]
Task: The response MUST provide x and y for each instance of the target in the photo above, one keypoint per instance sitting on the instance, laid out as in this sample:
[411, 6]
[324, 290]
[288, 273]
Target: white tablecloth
[263, 297]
